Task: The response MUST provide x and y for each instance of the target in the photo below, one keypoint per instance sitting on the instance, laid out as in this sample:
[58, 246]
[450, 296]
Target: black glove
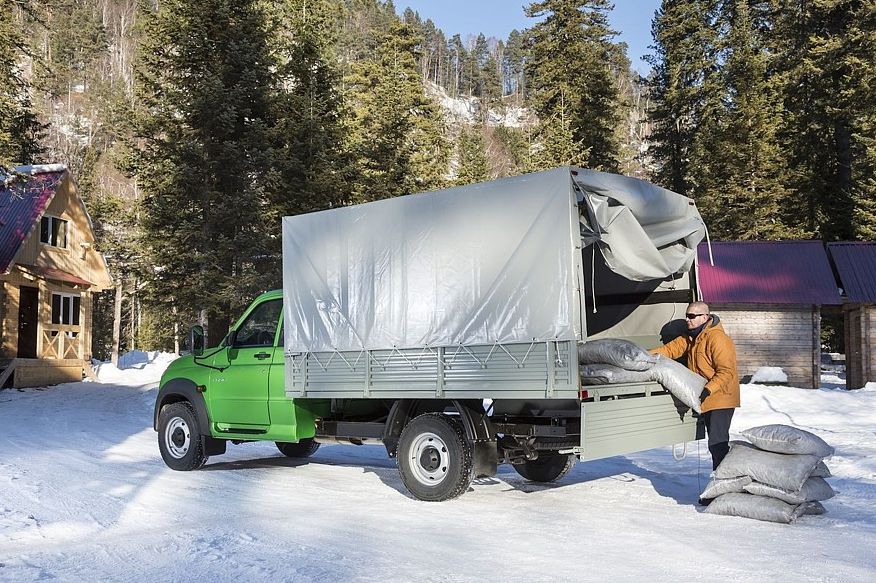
[704, 394]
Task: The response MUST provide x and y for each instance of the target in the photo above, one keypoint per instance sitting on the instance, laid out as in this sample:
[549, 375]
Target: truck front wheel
[434, 458]
[304, 448]
[546, 468]
[178, 439]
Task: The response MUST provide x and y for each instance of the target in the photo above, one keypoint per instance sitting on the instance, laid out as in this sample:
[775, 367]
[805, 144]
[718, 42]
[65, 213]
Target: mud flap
[486, 458]
[213, 446]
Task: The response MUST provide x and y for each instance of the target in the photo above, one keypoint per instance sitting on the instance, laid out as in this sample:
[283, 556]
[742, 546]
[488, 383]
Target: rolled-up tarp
[643, 231]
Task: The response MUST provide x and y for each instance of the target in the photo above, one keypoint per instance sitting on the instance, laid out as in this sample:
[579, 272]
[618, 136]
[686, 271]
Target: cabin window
[65, 309]
[53, 231]
[260, 326]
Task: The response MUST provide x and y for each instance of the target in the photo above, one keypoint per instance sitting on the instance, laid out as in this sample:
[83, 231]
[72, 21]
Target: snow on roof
[767, 272]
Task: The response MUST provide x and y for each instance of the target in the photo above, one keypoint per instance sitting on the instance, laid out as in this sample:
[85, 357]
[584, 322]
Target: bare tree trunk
[132, 345]
[117, 325]
[204, 321]
[173, 310]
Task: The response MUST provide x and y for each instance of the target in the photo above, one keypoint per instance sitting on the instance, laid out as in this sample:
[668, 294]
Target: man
[711, 354]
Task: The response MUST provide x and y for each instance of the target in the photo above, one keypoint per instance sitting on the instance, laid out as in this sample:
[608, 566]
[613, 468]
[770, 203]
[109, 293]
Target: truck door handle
[262, 355]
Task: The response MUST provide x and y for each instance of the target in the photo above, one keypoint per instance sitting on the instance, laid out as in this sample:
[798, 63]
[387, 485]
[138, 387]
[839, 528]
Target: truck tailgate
[632, 417]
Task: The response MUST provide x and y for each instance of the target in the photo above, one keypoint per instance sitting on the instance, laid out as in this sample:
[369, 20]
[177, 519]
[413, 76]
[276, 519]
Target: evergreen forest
[193, 126]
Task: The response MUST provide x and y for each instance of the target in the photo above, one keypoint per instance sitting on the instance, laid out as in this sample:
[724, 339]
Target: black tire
[434, 458]
[304, 448]
[548, 467]
[179, 441]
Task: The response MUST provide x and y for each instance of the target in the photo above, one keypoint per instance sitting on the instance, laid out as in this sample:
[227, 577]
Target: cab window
[260, 327]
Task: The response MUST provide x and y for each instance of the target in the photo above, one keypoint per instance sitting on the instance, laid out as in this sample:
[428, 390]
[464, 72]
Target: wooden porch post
[816, 347]
[117, 325]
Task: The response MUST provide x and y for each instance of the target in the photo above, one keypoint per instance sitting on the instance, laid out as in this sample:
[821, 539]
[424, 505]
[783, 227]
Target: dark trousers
[717, 425]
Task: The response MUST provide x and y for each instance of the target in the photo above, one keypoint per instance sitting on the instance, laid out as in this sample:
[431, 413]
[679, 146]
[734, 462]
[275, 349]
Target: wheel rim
[177, 437]
[429, 459]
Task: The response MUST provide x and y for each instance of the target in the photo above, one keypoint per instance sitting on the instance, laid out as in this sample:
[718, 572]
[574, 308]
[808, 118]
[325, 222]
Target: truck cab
[233, 392]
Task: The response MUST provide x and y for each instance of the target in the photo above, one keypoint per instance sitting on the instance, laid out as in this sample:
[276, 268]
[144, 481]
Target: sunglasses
[694, 316]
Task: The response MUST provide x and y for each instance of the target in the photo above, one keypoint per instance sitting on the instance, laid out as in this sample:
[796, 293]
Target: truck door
[239, 396]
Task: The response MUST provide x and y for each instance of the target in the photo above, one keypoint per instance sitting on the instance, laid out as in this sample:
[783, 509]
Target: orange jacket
[712, 356]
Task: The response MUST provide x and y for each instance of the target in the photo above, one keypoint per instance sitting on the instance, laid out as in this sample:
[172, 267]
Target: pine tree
[472, 163]
[570, 59]
[478, 57]
[312, 163]
[397, 132]
[682, 87]
[826, 59]
[555, 143]
[457, 57]
[861, 58]
[741, 185]
[76, 39]
[513, 149]
[20, 130]
[513, 65]
[491, 87]
[204, 155]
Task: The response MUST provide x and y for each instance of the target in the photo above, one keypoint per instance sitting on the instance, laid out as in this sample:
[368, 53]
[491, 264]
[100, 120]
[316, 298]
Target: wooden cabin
[770, 296]
[855, 264]
[49, 271]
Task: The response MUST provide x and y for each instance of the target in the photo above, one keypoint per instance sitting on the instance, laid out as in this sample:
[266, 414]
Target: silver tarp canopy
[644, 232]
[492, 262]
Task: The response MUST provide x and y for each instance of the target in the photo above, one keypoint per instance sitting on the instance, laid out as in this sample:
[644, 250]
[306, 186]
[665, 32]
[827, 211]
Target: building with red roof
[855, 264]
[770, 296]
[49, 271]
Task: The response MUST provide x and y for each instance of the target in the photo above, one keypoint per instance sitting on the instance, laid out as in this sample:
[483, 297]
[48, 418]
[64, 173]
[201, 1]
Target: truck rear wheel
[178, 439]
[546, 468]
[304, 448]
[434, 458]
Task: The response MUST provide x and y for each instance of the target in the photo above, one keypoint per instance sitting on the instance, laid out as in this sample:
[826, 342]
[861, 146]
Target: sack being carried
[685, 384]
[615, 361]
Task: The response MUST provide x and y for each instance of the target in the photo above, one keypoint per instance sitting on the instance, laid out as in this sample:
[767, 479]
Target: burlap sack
[813, 490]
[786, 439]
[622, 353]
[785, 471]
[756, 507]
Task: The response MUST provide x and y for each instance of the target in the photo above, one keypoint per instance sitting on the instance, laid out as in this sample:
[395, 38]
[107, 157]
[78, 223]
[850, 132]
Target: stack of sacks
[777, 477]
[613, 361]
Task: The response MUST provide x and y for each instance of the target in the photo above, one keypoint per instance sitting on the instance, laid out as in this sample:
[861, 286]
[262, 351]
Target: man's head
[697, 314]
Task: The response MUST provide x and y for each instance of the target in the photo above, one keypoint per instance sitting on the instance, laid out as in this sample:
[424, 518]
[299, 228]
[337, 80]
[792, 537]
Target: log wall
[775, 335]
[860, 339]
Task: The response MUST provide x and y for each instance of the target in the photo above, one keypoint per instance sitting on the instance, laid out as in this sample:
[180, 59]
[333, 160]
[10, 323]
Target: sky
[631, 18]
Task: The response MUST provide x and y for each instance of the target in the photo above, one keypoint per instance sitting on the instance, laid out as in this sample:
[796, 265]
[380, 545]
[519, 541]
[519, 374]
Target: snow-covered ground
[84, 496]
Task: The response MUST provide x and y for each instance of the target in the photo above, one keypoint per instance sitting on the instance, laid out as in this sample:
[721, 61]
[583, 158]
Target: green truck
[445, 327]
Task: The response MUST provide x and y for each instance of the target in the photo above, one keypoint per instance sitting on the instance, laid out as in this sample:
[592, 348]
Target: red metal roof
[22, 203]
[55, 274]
[767, 272]
[856, 266]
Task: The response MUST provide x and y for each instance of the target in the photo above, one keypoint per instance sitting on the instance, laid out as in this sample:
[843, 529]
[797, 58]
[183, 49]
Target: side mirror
[231, 338]
[196, 340]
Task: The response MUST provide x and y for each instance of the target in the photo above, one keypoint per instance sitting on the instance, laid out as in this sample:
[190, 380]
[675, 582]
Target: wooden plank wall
[775, 335]
[11, 283]
[860, 339]
[80, 256]
[41, 373]
[9, 339]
